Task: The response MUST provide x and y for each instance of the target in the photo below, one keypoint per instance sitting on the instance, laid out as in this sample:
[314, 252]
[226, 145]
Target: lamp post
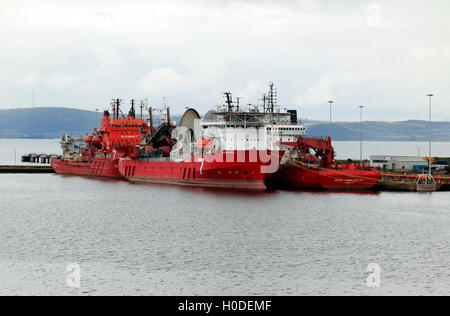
[331, 117]
[361, 134]
[15, 157]
[429, 134]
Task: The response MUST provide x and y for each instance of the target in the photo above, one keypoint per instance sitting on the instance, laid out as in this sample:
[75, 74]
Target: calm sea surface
[163, 240]
[12, 150]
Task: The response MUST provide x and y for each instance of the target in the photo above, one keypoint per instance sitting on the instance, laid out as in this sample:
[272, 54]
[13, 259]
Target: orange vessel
[319, 170]
[132, 149]
[99, 154]
[223, 169]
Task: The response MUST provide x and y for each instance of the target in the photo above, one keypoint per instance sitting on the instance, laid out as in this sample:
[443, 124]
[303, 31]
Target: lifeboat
[88, 139]
[204, 144]
[96, 139]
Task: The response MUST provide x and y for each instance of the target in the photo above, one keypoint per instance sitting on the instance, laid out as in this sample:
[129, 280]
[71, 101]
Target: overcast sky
[385, 55]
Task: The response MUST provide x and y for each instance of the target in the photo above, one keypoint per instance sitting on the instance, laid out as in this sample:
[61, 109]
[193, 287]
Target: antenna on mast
[142, 109]
[132, 112]
[238, 100]
[264, 99]
[118, 101]
[272, 97]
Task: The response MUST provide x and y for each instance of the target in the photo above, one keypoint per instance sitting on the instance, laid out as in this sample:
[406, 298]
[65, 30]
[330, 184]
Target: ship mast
[238, 100]
[117, 108]
[113, 104]
[273, 95]
[132, 112]
[229, 97]
[264, 99]
[150, 115]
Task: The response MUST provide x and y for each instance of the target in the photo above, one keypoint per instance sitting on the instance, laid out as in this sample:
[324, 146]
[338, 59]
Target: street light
[361, 134]
[429, 134]
[15, 157]
[331, 117]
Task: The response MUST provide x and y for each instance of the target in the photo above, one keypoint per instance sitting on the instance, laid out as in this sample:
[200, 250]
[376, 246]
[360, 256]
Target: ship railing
[158, 159]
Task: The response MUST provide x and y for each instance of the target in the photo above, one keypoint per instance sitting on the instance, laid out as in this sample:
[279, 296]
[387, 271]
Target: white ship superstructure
[265, 127]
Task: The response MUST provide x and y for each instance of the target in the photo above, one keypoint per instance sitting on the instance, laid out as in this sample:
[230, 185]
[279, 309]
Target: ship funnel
[294, 117]
[132, 113]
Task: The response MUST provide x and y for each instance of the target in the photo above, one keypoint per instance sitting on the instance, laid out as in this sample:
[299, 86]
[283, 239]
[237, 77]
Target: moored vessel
[98, 154]
[228, 148]
[223, 169]
[312, 165]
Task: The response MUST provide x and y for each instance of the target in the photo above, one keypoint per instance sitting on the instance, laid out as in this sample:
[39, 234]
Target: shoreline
[26, 169]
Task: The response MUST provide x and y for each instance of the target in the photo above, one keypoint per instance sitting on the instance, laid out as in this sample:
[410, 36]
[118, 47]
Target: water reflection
[171, 240]
[334, 192]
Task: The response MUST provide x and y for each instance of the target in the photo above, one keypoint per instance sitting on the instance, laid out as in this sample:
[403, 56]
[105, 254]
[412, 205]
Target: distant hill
[45, 122]
[413, 130]
[49, 123]
[54, 122]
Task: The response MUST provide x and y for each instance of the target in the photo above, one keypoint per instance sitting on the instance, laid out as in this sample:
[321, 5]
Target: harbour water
[12, 150]
[163, 240]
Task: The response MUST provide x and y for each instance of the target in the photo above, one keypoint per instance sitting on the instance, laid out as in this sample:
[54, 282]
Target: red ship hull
[224, 174]
[325, 179]
[97, 168]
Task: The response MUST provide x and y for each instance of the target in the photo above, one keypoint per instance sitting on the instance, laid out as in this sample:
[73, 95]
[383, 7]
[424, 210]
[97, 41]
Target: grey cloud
[84, 53]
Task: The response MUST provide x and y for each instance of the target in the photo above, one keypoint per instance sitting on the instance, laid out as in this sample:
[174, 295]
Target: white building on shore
[399, 162]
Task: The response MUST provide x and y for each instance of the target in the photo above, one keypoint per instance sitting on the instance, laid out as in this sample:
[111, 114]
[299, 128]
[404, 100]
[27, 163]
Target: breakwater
[26, 169]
